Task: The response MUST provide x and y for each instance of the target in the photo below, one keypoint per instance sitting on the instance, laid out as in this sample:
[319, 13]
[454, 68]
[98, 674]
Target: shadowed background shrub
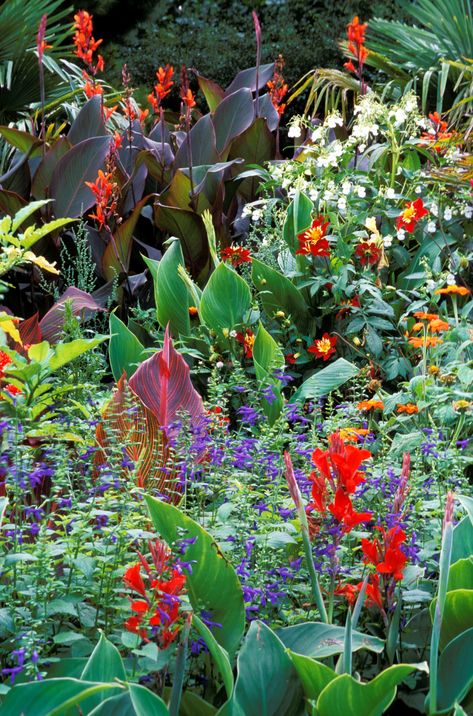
[217, 38]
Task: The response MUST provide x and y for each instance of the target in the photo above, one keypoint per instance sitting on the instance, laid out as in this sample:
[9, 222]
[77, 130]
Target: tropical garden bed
[235, 377]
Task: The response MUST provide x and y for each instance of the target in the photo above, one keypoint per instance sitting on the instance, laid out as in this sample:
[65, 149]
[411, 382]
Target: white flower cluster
[254, 210]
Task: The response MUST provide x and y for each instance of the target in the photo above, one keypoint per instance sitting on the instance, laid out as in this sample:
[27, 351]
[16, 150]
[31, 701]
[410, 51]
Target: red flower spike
[342, 509]
[134, 580]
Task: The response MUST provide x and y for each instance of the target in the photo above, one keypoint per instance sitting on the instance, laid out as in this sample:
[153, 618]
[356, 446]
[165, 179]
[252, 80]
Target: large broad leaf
[43, 698]
[124, 349]
[189, 227]
[80, 164]
[326, 380]
[82, 305]
[137, 701]
[279, 293]
[346, 695]
[226, 299]
[233, 115]
[460, 575]
[170, 292]
[105, 665]
[247, 78]
[163, 385]
[313, 674]
[455, 671]
[89, 122]
[268, 357]
[126, 422]
[213, 584]
[218, 653]
[44, 172]
[30, 332]
[457, 614]
[267, 683]
[64, 353]
[200, 143]
[320, 640]
[117, 253]
[256, 145]
[24, 141]
[298, 218]
[212, 92]
[462, 539]
[11, 203]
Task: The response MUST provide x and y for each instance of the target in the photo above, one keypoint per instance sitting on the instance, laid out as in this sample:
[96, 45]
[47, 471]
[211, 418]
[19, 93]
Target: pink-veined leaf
[30, 333]
[81, 301]
[127, 423]
[164, 386]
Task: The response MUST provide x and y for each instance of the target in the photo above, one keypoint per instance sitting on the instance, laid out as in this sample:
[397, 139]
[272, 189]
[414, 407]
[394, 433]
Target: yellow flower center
[324, 345]
[409, 213]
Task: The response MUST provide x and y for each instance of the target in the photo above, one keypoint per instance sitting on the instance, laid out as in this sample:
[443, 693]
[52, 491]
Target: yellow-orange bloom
[352, 435]
[420, 341]
[437, 325]
[370, 405]
[422, 316]
[461, 404]
[408, 408]
[460, 290]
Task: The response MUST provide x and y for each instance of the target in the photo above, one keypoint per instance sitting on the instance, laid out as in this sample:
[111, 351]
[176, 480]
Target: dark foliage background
[217, 37]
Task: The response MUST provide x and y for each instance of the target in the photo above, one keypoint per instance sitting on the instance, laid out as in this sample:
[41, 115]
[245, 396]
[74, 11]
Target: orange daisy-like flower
[458, 290]
[324, 347]
[368, 405]
[312, 240]
[422, 316]
[421, 341]
[436, 325]
[409, 408]
[368, 252]
[413, 212]
[352, 435]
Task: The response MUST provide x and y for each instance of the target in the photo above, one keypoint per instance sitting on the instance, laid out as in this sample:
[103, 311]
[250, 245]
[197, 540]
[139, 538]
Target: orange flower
[104, 190]
[368, 405]
[162, 87]
[425, 316]
[420, 341]
[85, 44]
[413, 212]
[193, 311]
[277, 87]
[408, 408]
[436, 325]
[356, 45]
[459, 290]
[352, 435]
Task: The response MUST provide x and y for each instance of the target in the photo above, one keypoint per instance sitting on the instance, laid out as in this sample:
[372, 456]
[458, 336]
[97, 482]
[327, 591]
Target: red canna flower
[342, 509]
[84, 42]
[373, 592]
[413, 212]
[41, 44]
[356, 47]
[349, 591]
[277, 87]
[312, 240]
[368, 252]
[105, 191]
[324, 347]
[386, 554]
[161, 599]
[162, 87]
[134, 580]
[236, 255]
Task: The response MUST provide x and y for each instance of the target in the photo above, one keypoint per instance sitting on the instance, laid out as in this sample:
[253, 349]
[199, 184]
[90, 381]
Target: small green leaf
[326, 380]
[225, 300]
[124, 349]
